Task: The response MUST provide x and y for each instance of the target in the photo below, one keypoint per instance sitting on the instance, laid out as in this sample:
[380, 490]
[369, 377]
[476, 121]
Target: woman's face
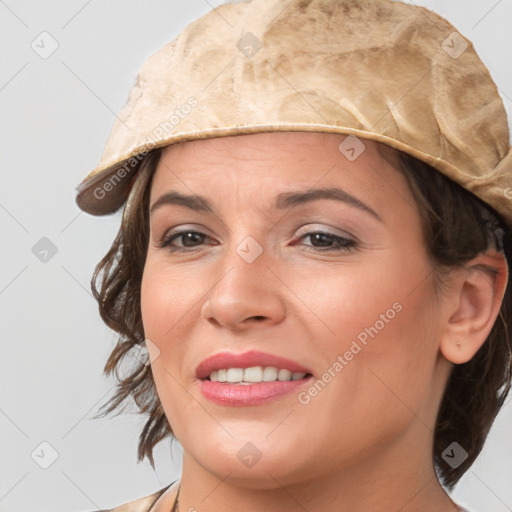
[283, 245]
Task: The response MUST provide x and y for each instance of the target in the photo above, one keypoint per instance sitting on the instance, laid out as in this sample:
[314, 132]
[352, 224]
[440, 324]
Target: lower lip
[240, 395]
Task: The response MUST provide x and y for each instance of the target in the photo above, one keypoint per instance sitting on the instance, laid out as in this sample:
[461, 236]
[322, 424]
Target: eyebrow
[283, 201]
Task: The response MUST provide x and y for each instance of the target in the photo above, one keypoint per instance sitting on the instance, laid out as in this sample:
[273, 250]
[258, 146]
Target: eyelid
[178, 228]
[329, 230]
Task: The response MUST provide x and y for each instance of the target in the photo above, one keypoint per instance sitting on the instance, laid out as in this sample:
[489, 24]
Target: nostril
[258, 317]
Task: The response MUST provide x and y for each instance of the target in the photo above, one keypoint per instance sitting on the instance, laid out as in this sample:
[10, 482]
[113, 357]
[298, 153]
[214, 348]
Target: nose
[245, 294]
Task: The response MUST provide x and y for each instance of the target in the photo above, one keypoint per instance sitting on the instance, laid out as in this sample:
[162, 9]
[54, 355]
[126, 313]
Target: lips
[250, 359]
[239, 394]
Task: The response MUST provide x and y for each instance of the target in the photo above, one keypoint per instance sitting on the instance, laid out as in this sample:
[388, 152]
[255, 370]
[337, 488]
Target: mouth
[254, 374]
[251, 378]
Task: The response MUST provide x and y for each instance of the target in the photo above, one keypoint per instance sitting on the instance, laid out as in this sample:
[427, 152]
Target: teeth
[284, 375]
[254, 374]
[269, 374]
[235, 375]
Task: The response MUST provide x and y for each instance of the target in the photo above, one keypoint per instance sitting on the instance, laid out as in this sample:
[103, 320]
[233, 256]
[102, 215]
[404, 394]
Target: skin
[363, 442]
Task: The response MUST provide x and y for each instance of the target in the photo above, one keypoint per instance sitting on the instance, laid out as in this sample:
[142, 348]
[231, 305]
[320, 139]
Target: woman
[314, 253]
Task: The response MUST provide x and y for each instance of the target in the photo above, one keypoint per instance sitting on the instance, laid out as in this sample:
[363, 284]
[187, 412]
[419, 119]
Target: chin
[257, 464]
[272, 473]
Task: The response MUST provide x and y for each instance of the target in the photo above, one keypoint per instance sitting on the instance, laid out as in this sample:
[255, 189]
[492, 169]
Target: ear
[479, 293]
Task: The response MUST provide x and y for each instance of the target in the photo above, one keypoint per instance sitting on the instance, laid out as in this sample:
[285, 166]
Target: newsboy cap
[373, 69]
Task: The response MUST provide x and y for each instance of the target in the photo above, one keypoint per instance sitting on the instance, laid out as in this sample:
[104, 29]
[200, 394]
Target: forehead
[256, 167]
[251, 152]
[306, 143]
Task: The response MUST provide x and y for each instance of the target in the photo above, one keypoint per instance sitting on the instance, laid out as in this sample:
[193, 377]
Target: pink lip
[246, 360]
[240, 395]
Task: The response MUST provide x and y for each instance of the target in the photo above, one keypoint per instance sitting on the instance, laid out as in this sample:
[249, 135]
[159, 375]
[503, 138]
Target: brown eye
[321, 241]
[186, 238]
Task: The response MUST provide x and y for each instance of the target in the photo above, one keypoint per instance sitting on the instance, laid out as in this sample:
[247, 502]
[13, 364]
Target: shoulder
[140, 505]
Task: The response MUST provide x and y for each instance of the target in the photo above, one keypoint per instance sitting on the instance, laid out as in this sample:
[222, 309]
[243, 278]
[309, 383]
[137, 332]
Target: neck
[400, 478]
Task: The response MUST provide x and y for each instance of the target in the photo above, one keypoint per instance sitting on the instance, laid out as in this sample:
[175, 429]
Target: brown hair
[457, 227]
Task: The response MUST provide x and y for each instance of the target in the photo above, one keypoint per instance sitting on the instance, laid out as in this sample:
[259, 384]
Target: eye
[322, 241]
[179, 241]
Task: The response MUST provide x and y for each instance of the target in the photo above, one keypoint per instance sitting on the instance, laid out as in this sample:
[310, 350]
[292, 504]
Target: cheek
[365, 302]
[166, 300]
[165, 304]
[170, 304]
[379, 367]
[376, 328]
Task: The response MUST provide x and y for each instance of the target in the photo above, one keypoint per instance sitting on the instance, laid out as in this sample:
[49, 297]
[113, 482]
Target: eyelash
[344, 244]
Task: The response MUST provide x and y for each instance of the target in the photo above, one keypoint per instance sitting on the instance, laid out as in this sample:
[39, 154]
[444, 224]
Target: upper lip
[223, 360]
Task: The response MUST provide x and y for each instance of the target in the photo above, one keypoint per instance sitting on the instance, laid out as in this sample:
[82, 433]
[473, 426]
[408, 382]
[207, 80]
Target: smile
[254, 374]
[251, 378]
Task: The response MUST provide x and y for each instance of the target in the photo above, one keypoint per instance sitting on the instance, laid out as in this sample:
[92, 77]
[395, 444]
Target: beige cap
[376, 69]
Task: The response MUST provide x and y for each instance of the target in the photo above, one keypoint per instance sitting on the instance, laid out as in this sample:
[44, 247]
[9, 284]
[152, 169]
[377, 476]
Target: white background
[56, 115]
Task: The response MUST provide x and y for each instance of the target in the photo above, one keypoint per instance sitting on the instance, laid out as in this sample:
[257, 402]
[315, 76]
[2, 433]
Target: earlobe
[480, 293]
